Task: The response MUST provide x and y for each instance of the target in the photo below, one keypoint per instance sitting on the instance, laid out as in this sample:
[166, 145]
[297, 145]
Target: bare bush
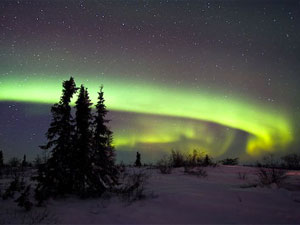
[38, 217]
[269, 171]
[242, 175]
[230, 161]
[196, 171]
[133, 186]
[196, 158]
[165, 165]
[121, 167]
[24, 201]
[16, 185]
[291, 161]
[268, 176]
[14, 162]
[178, 158]
[250, 185]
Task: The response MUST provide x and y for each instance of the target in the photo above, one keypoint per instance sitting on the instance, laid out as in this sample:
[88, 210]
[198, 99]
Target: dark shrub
[242, 175]
[133, 186]
[196, 171]
[23, 201]
[14, 162]
[165, 165]
[267, 176]
[269, 171]
[291, 161]
[230, 161]
[15, 186]
[178, 159]
[193, 159]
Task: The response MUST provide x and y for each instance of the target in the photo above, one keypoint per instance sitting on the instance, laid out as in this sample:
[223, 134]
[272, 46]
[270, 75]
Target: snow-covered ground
[179, 198]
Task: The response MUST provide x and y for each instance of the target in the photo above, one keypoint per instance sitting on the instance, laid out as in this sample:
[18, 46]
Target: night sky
[222, 77]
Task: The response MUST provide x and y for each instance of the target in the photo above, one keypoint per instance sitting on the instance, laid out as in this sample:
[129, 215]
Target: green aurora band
[269, 127]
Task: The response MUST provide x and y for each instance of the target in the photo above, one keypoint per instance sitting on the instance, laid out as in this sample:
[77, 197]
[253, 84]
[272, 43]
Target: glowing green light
[269, 126]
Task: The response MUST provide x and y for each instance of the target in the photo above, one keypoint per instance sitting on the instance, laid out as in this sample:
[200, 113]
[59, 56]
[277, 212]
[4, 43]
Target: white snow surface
[178, 198]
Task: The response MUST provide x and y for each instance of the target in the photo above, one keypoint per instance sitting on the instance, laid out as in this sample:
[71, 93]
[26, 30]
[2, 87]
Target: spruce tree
[56, 175]
[81, 153]
[24, 162]
[138, 160]
[83, 171]
[103, 151]
[207, 161]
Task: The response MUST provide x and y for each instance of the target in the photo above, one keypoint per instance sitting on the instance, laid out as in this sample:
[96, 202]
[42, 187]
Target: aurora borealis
[219, 76]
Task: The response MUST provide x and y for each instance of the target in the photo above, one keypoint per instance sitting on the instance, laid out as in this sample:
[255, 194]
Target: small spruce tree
[207, 161]
[138, 160]
[24, 201]
[24, 162]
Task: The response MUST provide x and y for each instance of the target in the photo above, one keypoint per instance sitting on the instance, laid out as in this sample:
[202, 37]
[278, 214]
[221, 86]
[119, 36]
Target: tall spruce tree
[84, 183]
[56, 175]
[103, 151]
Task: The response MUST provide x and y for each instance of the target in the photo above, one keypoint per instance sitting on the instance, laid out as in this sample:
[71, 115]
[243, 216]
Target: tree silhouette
[14, 162]
[207, 161]
[138, 160]
[81, 153]
[104, 153]
[56, 175]
[83, 146]
[24, 162]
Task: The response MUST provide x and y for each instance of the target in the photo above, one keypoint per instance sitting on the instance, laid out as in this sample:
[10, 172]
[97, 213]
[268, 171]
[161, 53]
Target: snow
[179, 198]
